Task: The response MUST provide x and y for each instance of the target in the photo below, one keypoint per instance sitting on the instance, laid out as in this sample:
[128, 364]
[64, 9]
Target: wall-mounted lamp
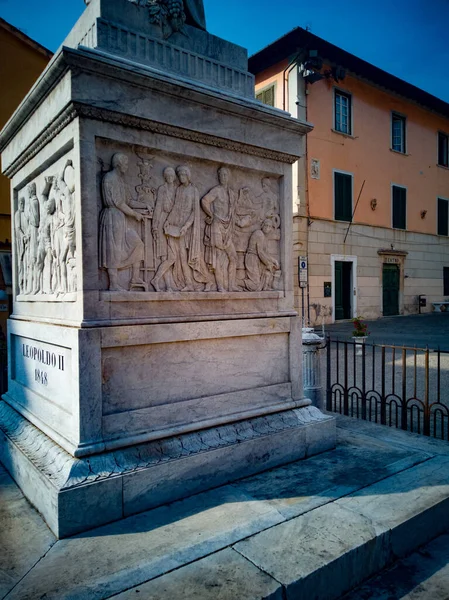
[423, 214]
[373, 204]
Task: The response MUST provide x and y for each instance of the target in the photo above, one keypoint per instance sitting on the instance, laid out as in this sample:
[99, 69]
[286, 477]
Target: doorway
[343, 290]
[390, 290]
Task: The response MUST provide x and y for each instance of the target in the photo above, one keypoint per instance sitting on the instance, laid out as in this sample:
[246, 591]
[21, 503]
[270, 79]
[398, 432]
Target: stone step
[327, 551]
[313, 529]
[424, 575]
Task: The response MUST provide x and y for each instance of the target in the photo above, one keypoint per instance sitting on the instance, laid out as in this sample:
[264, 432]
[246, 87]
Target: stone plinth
[152, 260]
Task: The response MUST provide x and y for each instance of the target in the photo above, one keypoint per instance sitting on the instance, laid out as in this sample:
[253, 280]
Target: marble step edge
[65, 472]
[381, 536]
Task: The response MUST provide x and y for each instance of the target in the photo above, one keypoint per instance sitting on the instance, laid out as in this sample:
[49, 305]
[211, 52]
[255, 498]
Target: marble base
[76, 495]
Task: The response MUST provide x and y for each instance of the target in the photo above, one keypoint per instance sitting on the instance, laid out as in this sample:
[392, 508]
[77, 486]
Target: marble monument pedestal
[154, 349]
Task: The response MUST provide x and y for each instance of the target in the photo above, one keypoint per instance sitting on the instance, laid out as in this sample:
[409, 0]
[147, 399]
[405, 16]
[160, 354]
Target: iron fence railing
[402, 387]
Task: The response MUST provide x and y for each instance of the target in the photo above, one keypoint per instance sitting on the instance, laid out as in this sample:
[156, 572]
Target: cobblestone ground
[409, 373]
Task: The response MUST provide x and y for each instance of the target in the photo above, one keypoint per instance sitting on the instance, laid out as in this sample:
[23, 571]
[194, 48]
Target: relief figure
[33, 234]
[259, 264]
[120, 245]
[22, 239]
[67, 190]
[220, 207]
[44, 251]
[183, 229]
[164, 204]
[46, 236]
[269, 199]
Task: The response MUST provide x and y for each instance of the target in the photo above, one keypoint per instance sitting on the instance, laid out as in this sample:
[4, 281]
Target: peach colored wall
[367, 155]
[274, 75]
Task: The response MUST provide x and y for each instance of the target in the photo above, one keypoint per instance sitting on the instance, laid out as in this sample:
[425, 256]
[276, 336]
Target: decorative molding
[116, 118]
[64, 118]
[392, 252]
[75, 109]
[65, 471]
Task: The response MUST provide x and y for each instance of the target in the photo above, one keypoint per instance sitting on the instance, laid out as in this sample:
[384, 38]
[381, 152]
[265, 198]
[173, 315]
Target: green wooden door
[390, 284]
[343, 272]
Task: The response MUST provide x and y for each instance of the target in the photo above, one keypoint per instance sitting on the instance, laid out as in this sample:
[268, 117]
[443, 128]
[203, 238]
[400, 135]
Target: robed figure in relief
[219, 204]
[182, 229]
[120, 244]
[260, 265]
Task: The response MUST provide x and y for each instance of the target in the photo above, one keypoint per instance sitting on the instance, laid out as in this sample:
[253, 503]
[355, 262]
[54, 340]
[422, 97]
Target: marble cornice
[85, 111]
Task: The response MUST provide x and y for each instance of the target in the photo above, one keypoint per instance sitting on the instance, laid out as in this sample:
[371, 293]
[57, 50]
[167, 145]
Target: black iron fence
[402, 387]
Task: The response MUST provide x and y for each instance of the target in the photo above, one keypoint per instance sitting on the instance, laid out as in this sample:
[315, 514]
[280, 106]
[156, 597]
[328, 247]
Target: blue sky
[409, 38]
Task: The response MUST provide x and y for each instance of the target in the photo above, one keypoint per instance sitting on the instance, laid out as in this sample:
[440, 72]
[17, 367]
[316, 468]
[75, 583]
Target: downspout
[306, 192]
[289, 68]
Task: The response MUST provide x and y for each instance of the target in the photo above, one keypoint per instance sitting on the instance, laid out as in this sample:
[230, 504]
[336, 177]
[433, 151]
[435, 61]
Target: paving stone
[225, 575]
[24, 537]
[113, 558]
[321, 554]
[357, 462]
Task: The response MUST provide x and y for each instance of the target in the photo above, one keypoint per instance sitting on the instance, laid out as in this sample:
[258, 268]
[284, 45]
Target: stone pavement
[430, 329]
[313, 529]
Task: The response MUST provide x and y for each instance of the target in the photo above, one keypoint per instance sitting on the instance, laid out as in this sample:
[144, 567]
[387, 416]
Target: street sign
[302, 271]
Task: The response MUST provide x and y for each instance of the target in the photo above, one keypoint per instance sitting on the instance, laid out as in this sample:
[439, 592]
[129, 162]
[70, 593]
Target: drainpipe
[306, 192]
[288, 69]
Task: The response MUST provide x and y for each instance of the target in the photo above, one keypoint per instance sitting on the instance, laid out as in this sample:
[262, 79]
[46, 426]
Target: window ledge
[347, 135]
[400, 153]
[443, 167]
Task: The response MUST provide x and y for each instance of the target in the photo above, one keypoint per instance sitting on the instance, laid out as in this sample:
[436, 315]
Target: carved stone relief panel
[171, 224]
[45, 236]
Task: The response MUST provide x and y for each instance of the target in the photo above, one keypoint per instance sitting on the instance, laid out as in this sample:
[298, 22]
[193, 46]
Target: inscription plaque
[44, 368]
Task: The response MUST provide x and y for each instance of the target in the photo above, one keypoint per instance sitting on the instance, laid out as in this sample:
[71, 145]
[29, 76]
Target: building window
[343, 112]
[443, 155]
[266, 95]
[342, 196]
[443, 217]
[399, 198]
[398, 132]
[446, 281]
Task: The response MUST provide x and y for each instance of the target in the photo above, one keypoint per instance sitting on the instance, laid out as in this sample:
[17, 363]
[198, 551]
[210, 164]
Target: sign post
[303, 278]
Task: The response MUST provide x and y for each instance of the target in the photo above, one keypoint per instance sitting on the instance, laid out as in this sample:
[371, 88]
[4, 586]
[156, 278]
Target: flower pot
[359, 343]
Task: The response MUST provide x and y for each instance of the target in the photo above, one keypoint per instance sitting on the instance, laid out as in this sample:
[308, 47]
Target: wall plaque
[43, 368]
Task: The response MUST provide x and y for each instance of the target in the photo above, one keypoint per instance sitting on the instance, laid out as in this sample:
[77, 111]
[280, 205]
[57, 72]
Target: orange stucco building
[371, 204]
[22, 61]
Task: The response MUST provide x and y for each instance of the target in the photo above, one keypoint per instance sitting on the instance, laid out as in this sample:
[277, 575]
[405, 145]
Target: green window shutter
[343, 197]
[266, 96]
[399, 207]
[269, 96]
[443, 217]
[443, 158]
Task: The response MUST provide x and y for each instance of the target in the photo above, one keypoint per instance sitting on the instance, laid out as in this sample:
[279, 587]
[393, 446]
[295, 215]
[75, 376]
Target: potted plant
[359, 334]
